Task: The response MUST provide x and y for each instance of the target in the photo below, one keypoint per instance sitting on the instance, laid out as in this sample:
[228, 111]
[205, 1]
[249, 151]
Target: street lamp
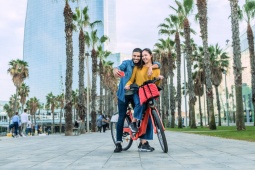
[88, 87]
[226, 91]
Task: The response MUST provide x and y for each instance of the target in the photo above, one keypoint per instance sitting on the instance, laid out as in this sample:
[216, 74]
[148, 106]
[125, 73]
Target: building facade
[44, 42]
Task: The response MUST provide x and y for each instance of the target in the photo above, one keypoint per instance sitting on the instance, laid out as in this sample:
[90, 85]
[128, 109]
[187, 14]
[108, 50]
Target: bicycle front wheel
[126, 138]
[160, 131]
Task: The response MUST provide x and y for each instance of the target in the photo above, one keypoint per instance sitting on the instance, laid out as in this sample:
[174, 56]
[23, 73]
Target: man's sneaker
[118, 148]
[133, 127]
[146, 147]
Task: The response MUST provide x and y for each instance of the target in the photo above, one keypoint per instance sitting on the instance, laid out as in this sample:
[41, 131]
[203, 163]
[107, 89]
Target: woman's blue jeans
[138, 113]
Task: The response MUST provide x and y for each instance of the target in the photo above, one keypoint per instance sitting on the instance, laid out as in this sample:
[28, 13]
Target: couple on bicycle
[138, 70]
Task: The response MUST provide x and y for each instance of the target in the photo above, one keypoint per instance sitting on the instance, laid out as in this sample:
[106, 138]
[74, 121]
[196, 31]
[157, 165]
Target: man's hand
[150, 71]
[116, 72]
[160, 77]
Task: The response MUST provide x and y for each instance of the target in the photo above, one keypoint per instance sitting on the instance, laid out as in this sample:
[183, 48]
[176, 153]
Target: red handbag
[147, 92]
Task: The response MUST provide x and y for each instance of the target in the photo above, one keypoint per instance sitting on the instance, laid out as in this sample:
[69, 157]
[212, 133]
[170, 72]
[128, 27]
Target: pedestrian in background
[15, 121]
[104, 123]
[99, 124]
[29, 126]
[24, 120]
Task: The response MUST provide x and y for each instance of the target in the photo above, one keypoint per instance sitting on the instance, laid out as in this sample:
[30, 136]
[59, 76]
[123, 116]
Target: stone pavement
[95, 151]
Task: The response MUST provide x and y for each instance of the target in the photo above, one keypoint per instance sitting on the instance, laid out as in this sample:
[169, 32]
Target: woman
[139, 76]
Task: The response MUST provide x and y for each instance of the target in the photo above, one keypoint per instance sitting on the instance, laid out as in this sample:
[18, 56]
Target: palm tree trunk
[178, 63]
[53, 122]
[60, 121]
[218, 105]
[237, 65]
[172, 101]
[68, 14]
[192, 97]
[252, 63]
[200, 111]
[15, 101]
[101, 87]
[202, 11]
[93, 90]
[81, 106]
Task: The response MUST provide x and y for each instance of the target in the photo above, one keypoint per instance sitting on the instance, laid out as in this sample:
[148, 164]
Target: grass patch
[228, 132]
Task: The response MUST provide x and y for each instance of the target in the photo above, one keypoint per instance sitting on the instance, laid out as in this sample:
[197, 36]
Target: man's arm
[117, 70]
[154, 66]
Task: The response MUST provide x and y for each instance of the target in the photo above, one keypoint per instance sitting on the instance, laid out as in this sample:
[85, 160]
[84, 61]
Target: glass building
[44, 42]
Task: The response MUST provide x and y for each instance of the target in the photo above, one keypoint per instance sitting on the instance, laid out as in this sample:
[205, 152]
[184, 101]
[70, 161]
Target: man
[124, 100]
[24, 120]
[29, 125]
[15, 121]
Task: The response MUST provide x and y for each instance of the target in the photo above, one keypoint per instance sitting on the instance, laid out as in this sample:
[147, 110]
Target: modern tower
[44, 42]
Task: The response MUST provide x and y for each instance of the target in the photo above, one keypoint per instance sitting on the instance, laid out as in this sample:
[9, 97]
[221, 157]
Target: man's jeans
[24, 127]
[16, 126]
[122, 106]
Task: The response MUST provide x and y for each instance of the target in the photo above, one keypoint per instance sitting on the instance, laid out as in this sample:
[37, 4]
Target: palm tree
[248, 15]
[94, 40]
[69, 26]
[102, 55]
[23, 93]
[184, 9]
[173, 25]
[219, 63]
[9, 111]
[61, 103]
[237, 65]
[51, 100]
[19, 72]
[33, 104]
[75, 98]
[202, 16]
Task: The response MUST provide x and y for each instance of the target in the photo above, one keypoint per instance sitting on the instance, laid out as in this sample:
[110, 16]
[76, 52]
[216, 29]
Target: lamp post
[88, 88]
[185, 92]
[226, 91]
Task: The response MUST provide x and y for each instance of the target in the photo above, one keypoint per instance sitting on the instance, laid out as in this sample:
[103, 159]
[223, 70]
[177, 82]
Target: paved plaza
[95, 151]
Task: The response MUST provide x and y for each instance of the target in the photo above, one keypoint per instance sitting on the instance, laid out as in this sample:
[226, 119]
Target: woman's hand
[127, 87]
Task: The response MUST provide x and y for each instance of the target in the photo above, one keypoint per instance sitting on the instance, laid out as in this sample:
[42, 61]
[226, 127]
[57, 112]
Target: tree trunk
[202, 11]
[81, 106]
[60, 121]
[252, 63]
[172, 101]
[68, 14]
[15, 101]
[237, 66]
[101, 87]
[179, 93]
[53, 122]
[93, 90]
[218, 105]
[192, 97]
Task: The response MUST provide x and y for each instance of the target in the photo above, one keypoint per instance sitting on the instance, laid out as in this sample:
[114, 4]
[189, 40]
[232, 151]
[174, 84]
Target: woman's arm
[154, 66]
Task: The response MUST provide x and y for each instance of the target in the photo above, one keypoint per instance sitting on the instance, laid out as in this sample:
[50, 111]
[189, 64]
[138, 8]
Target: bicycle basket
[147, 92]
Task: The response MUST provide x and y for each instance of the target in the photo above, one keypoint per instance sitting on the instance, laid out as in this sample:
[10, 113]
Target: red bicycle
[128, 136]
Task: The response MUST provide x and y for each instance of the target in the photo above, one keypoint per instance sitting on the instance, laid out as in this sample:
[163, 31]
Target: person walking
[99, 123]
[29, 126]
[104, 123]
[24, 120]
[15, 121]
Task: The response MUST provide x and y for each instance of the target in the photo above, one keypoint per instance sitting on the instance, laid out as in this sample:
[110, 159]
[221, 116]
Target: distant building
[44, 42]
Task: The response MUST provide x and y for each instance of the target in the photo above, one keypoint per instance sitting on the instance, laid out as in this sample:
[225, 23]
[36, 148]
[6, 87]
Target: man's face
[136, 56]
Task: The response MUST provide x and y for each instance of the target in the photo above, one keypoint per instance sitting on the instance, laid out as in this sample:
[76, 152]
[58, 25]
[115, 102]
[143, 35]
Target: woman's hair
[149, 51]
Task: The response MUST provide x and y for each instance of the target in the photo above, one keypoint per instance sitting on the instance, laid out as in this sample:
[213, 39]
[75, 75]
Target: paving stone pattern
[95, 151]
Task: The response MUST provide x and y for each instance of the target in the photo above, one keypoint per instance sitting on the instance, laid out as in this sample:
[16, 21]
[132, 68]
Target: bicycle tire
[160, 132]
[126, 138]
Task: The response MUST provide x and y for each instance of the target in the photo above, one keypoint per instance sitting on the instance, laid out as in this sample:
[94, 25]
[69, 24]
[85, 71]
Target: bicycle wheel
[160, 132]
[126, 138]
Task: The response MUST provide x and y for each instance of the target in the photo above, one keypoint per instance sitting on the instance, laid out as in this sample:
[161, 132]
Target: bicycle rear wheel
[160, 131]
[126, 138]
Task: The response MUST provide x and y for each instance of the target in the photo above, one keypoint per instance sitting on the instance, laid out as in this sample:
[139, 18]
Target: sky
[137, 26]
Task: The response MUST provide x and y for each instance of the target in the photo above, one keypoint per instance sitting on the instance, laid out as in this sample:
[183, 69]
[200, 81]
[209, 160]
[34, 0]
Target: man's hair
[25, 110]
[137, 50]
[17, 113]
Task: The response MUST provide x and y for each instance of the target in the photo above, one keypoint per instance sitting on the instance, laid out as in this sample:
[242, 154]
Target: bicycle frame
[144, 122]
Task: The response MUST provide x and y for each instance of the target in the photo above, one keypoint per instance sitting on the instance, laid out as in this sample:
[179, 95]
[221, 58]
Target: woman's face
[146, 57]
